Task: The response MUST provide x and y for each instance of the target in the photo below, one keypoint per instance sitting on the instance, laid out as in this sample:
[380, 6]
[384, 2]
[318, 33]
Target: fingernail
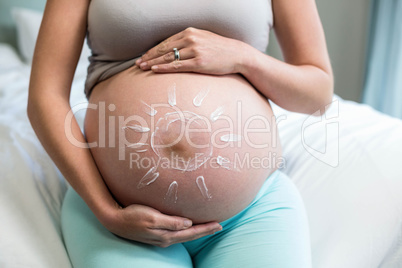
[143, 65]
[154, 68]
[138, 61]
[219, 228]
[187, 223]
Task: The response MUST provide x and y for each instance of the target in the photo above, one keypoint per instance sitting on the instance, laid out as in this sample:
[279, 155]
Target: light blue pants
[271, 232]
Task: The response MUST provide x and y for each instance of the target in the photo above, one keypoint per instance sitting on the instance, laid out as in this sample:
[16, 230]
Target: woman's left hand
[200, 51]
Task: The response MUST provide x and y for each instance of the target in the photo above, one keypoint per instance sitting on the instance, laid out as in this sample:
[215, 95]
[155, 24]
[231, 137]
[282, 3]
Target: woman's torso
[207, 145]
[120, 31]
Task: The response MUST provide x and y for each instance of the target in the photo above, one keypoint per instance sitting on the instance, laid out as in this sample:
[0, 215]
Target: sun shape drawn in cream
[168, 138]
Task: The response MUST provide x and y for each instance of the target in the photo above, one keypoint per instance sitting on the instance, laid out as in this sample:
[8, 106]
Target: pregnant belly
[191, 145]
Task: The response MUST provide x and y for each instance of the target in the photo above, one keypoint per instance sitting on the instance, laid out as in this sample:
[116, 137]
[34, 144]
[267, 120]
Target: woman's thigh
[271, 232]
[89, 244]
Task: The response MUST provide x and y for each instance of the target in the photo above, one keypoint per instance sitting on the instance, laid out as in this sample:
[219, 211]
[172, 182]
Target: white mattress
[346, 165]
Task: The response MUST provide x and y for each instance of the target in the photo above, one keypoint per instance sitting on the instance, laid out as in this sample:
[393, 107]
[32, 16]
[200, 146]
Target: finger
[171, 223]
[176, 67]
[196, 232]
[166, 58]
[192, 233]
[158, 51]
[163, 48]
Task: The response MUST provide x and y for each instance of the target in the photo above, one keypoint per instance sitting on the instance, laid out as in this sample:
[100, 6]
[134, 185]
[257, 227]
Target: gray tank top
[120, 31]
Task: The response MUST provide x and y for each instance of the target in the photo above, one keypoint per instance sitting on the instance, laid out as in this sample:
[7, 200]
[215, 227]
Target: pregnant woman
[178, 165]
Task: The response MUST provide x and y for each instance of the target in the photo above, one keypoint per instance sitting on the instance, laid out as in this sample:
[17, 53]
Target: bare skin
[232, 186]
[302, 83]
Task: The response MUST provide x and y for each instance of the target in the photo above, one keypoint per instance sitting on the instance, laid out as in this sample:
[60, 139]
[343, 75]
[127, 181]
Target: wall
[7, 26]
[345, 24]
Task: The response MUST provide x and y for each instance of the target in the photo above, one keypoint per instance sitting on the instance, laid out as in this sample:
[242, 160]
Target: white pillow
[28, 23]
[8, 57]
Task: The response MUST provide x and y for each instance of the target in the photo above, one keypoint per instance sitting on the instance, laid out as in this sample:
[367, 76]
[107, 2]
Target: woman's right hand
[147, 225]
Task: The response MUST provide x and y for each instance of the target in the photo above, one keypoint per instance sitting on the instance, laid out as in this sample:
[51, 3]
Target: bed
[347, 165]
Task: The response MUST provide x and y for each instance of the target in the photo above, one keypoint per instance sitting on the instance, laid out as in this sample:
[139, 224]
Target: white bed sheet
[31, 188]
[354, 201]
[352, 193]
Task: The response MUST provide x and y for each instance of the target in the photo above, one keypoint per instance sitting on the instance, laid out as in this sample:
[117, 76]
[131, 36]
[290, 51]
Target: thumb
[172, 223]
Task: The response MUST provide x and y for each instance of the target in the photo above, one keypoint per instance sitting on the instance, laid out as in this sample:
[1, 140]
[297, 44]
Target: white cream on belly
[171, 195]
[162, 143]
[124, 153]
